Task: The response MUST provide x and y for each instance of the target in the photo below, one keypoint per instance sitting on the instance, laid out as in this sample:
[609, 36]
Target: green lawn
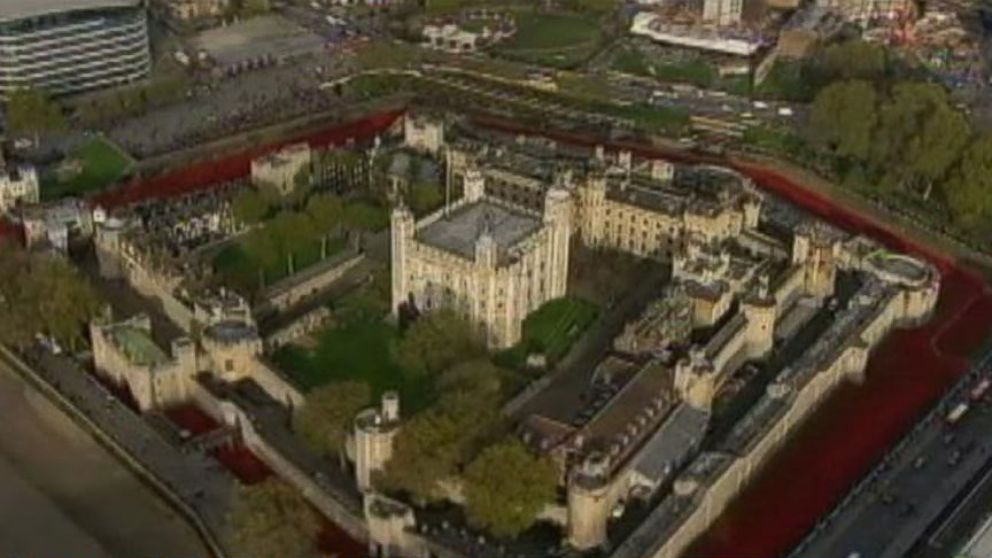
[102, 164]
[435, 7]
[557, 40]
[697, 72]
[358, 350]
[552, 329]
[477, 25]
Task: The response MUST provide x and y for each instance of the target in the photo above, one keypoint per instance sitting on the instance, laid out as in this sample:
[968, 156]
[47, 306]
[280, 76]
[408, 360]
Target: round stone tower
[375, 428]
[589, 502]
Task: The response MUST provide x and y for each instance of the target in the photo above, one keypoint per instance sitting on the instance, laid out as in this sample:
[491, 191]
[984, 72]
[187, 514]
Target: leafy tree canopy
[433, 446]
[969, 190]
[40, 293]
[31, 112]
[506, 487]
[273, 519]
[843, 118]
[250, 207]
[436, 342]
[325, 419]
[852, 59]
[326, 211]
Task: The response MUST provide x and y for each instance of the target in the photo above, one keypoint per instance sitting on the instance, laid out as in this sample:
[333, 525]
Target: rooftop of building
[701, 189]
[735, 41]
[544, 434]
[231, 332]
[256, 38]
[11, 10]
[900, 267]
[632, 413]
[724, 335]
[458, 231]
[672, 443]
[137, 345]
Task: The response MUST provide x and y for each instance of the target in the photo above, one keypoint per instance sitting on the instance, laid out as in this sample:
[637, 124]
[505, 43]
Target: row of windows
[13, 44]
[85, 82]
[29, 50]
[446, 296]
[58, 22]
[93, 69]
[100, 53]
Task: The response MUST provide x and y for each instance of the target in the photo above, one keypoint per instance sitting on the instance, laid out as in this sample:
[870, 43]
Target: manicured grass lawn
[696, 72]
[552, 39]
[358, 350]
[103, 164]
[477, 25]
[551, 31]
[444, 6]
[552, 329]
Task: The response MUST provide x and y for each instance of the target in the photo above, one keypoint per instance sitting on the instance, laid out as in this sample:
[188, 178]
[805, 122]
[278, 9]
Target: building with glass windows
[68, 46]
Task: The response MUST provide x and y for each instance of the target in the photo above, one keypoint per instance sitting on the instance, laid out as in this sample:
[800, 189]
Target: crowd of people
[230, 105]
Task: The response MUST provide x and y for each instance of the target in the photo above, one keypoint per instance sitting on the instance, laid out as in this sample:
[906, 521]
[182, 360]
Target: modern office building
[68, 46]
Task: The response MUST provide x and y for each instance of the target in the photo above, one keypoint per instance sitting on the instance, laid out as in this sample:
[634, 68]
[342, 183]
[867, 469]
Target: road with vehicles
[914, 499]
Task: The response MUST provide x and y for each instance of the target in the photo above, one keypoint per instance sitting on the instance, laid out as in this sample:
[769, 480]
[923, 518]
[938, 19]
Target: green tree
[426, 452]
[506, 487]
[272, 519]
[425, 197]
[19, 321]
[438, 341]
[363, 216]
[478, 376]
[65, 301]
[42, 294]
[853, 59]
[31, 112]
[969, 189]
[434, 445]
[251, 8]
[919, 135]
[325, 419]
[290, 230]
[843, 118]
[325, 211]
[262, 249]
[249, 207]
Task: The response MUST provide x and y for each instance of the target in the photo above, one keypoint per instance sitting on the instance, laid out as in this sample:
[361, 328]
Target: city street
[902, 499]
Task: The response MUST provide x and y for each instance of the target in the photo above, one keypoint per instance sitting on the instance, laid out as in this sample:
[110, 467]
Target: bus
[956, 413]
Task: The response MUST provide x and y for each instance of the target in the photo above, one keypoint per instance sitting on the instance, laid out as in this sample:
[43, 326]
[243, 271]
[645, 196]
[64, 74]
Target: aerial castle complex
[756, 295]
[748, 282]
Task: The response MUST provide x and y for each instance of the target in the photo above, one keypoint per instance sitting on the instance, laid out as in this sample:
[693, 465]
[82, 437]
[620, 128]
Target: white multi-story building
[67, 46]
[487, 260]
[280, 169]
[188, 10]
[723, 12]
[18, 184]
